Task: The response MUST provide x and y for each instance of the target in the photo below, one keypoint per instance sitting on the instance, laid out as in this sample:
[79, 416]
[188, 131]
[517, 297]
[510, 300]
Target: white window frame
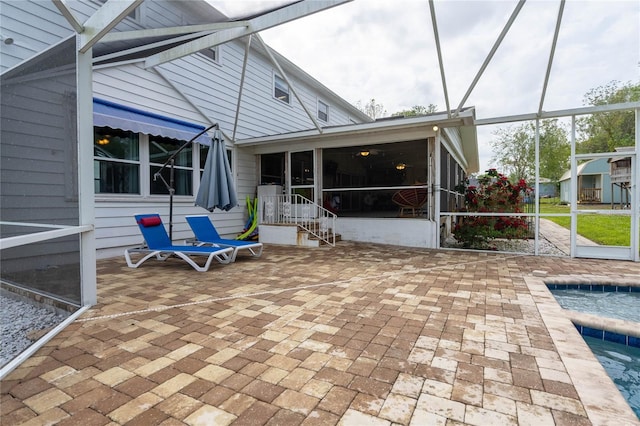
[319, 111]
[145, 176]
[277, 77]
[216, 51]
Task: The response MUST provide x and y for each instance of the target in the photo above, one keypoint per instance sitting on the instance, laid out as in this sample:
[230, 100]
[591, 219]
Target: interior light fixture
[364, 153]
[401, 166]
[103, 141]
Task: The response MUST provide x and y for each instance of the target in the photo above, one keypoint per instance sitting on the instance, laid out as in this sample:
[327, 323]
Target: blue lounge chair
[206, 234]
[159, 245]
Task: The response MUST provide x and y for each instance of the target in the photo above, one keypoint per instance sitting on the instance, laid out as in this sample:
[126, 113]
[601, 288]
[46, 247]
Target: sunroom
[385, 181]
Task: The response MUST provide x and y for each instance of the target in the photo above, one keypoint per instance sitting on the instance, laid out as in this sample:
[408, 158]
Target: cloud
[386, 50]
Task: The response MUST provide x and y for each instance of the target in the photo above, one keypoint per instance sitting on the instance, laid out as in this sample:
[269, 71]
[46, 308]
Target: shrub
[494, 194]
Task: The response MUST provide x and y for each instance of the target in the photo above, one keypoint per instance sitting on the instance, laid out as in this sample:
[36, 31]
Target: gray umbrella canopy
[216, 187]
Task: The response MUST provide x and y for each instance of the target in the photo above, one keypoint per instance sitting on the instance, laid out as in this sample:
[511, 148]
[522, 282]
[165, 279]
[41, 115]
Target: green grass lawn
[602, 229]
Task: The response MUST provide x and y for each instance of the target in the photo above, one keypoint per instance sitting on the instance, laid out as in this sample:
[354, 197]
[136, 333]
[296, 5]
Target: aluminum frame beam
[69, 16]
[486, 62]
[558, 113]
[257, 24]
[284, 75]
[551, 54]
[439, 51]
[104, 20]
[172, 31]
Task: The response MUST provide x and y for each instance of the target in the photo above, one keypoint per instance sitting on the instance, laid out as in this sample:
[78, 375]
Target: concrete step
[289, 234]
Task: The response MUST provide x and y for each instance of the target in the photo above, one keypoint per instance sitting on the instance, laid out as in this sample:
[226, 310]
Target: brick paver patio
[353, 335]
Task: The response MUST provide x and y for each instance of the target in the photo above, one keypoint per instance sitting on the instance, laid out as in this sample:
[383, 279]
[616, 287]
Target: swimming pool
[618, 352]
[610, 301]
[622, 364]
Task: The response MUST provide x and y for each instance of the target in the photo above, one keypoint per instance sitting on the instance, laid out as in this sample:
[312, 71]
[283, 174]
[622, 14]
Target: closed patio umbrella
[216, 186]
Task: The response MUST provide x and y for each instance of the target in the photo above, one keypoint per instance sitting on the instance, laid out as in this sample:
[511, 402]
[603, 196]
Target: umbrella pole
[171, 191]
[169, 186]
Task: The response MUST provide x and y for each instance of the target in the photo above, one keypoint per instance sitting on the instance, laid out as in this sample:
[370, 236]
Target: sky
[385, 50]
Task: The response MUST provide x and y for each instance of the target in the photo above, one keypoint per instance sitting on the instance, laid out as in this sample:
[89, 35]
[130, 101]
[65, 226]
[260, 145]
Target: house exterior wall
[400, 232]
[192, 88]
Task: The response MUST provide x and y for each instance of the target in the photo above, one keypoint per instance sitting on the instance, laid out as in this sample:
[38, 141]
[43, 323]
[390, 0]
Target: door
[302, 172]
[614, 209]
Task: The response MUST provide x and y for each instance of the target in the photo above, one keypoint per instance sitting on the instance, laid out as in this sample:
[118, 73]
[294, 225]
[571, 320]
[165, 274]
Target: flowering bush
[494, 194]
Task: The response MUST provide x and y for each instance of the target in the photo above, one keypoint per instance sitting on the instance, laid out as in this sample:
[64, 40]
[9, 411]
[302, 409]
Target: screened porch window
[451, 176]
[302, 174]
[366, 179]
[272, 169]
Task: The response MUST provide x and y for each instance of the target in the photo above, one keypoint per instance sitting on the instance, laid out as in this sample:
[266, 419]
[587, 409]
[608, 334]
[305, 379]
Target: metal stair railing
[297, 210]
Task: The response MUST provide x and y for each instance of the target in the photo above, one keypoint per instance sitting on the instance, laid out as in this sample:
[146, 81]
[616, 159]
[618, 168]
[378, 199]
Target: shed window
[280, 89]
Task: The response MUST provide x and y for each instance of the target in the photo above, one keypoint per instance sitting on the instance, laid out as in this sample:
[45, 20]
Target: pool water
[619, 354]
[622, 364]
[619, 305]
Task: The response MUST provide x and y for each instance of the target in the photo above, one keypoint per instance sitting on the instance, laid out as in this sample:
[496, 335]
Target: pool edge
[602, 401]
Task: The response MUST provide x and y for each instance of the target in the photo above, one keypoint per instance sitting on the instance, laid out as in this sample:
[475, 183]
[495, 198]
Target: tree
[603, 132]
[515, 150]
[371, 108]
[555, 149]
[417, 110]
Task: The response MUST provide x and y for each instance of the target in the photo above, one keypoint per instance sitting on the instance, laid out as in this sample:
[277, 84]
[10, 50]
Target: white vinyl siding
[192, 89]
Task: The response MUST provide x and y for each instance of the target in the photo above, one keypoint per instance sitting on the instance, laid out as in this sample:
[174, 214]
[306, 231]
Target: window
[121, 158]
[323, 111]
[117, 161]
[302, 174]
[280, 89]
[272, 169]
[204, 151]
[160, 149]
[365, 178]
[213, 53]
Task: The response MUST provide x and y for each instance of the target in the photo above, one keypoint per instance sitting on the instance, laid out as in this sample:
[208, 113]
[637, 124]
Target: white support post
[635, 195]
[86, 203]
[573, 189]
[536, 240]
[436, 187]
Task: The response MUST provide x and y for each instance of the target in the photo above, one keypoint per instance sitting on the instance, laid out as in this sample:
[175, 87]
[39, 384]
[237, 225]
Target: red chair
[410, 200]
